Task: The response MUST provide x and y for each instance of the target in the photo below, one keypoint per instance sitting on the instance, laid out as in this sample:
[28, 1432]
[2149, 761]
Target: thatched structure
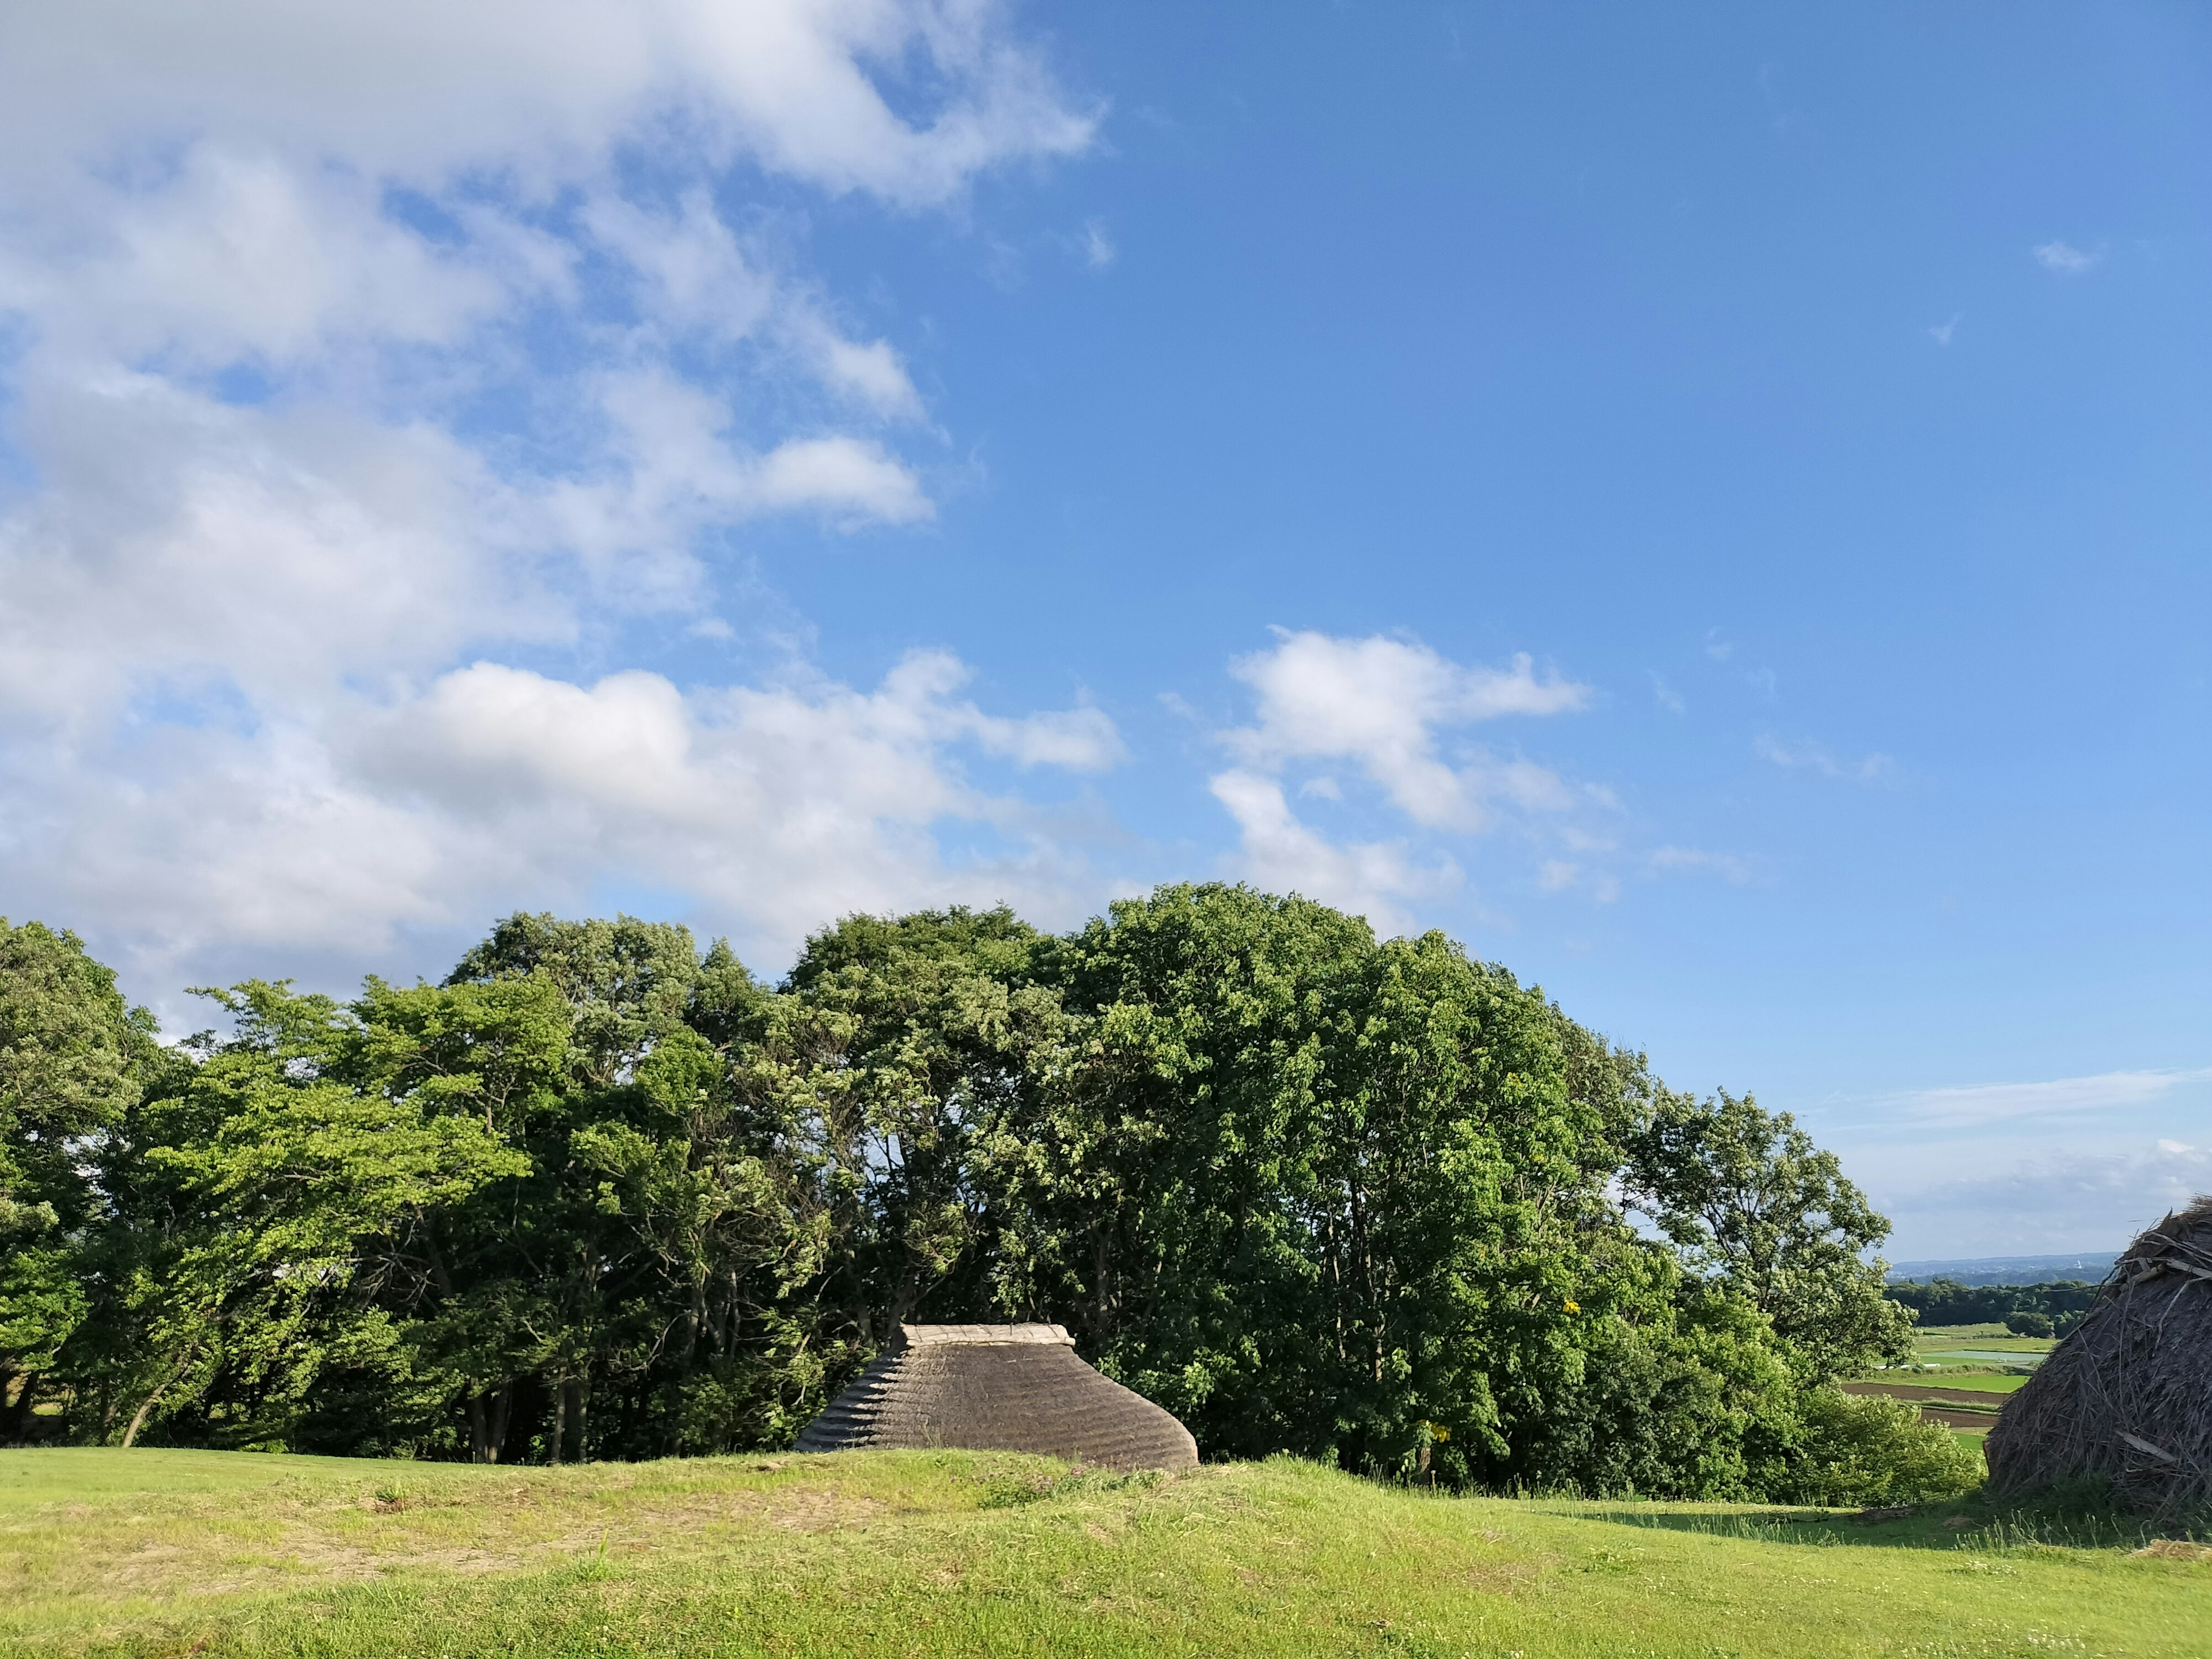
[998, 1387]
[2128, 1394]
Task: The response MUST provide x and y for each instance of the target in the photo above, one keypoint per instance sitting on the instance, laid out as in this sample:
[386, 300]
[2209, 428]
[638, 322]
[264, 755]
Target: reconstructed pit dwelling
[998, 1387]
[2128, 1395]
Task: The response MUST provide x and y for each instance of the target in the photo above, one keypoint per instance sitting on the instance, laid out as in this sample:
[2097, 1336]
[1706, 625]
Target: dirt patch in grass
[2177, 1549]
[1927, 1391]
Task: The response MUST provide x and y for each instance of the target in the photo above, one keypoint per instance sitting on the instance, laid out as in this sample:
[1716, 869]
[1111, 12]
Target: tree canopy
[601, 1193]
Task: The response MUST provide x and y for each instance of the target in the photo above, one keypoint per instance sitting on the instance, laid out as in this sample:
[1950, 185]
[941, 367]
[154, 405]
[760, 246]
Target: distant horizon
[2090, 1265]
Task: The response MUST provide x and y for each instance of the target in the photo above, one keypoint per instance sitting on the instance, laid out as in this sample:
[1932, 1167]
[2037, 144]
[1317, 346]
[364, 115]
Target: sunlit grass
[954, 1553]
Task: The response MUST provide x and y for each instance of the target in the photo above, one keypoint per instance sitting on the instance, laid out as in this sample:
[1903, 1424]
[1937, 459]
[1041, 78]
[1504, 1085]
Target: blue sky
[1710, 510]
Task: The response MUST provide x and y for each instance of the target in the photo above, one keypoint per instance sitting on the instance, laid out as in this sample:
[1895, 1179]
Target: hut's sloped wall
[2128, 1395]
[1027, 1392]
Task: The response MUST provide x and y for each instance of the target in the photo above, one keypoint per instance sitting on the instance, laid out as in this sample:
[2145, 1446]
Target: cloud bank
[365, 364]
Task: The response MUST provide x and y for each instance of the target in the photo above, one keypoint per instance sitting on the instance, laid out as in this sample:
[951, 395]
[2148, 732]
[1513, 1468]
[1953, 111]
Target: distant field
[1956, 1409]
[937, 1554]
[1951, 1382]
[1973, 1337]
[1974, 1345]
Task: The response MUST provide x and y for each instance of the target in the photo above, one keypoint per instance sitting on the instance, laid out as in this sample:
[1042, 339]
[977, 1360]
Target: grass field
[203, 1553]
[1995, 1382]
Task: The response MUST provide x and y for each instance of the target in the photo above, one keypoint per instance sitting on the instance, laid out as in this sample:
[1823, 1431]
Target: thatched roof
[2128, 1394]
[998, 1387]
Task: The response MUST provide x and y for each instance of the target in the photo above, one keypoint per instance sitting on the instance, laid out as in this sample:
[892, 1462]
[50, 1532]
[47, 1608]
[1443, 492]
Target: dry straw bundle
[998, 1387]
[2128, 1395]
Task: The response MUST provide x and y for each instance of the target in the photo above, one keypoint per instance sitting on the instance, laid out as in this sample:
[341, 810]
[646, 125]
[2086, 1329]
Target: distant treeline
[600, 1195]
[1947, 1301]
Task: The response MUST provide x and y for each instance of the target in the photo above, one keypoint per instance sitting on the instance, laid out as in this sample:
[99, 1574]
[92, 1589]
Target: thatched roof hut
[998, 1387]
[2128, 1394]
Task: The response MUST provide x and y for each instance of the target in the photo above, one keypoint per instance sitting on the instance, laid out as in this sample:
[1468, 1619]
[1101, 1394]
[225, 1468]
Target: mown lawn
[201, 1554]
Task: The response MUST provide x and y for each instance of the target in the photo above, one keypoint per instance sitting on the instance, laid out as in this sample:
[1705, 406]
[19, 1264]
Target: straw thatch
[2128, 1395]
[998, 1387]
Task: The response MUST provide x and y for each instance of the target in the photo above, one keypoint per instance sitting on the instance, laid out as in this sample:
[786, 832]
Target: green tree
[1749, 1200]
[72, 1057]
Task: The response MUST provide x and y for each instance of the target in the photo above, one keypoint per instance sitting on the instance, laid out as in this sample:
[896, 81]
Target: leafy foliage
[602, 1194]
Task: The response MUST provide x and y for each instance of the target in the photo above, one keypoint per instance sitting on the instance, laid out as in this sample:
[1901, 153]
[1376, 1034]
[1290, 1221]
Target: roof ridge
[930, 1336]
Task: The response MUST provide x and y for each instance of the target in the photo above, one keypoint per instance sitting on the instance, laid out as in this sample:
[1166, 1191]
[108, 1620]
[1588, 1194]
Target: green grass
[183, 1553]
[1973, 1381]
[1994, 1338]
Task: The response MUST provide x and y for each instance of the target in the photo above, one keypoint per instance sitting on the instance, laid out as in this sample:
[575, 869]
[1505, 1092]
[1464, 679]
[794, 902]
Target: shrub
[2023, 1321]
[1862, 1448]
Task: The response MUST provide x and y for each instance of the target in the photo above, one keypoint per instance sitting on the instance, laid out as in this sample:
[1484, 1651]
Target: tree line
[602, 1194]
[2052, 1307]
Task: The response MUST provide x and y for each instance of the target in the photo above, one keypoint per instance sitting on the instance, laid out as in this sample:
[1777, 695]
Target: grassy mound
[170, 1553]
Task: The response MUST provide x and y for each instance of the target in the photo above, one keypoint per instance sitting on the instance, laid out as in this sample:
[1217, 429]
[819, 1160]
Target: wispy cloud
[1562, 875]
[1812, 757]
[2046, 1203]
[1736, 871]
[2065, 259]
[1978, 1104]
[1669, 698]
[1941, 332]
[1098, 249]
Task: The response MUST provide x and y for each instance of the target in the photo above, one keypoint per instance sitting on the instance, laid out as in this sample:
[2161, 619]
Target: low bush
[1864, 1449]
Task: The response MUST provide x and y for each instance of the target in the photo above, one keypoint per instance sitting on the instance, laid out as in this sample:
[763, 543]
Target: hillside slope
[161, 1552]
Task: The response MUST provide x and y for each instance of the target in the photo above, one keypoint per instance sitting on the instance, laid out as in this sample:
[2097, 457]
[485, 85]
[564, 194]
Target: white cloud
[181, 545]
[268, 263]
[1811, 757]
[1280, 853]
[1941, 332]
[850, 476]
[690, 274]
[414, 88]
[2065, 259]
[773, 808]
[870, 371]
[1380, 704]
[1098, 250]
[1385, 707]
[1669, 698]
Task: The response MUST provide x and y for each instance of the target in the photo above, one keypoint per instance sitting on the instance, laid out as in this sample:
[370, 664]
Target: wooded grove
[601, 1195]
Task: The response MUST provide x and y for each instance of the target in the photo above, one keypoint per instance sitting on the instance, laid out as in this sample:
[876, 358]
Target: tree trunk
[498, 1432]
[138, 1422]
[15, 1407]
[479, 1440]
[560, 1415]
